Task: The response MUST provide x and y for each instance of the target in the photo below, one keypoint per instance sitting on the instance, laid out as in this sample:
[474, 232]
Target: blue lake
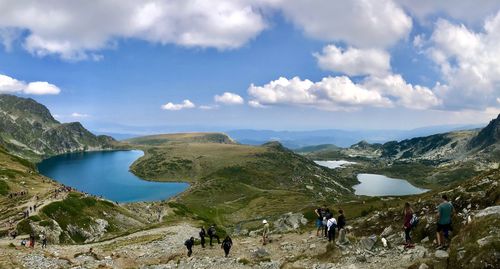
[380, 185]
[106, 173]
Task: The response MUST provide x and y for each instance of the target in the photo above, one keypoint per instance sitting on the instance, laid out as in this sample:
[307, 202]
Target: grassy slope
[231, 182]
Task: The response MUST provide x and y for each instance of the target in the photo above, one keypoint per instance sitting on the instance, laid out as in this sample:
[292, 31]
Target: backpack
[414, 220]
[211, 231]
[187, 243]
[226, 244]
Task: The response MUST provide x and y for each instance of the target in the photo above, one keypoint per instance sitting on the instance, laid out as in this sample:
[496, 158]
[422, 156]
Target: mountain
[341, 138]
[164, 139]
[28, 129]
[488, 136]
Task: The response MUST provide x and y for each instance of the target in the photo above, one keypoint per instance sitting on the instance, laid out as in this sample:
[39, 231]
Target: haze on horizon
[261, 64]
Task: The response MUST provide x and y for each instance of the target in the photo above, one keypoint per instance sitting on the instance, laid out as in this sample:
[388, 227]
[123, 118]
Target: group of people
[32, 239]
[443, 223]
[61, 189]
[16, 194]
[226, 244]
[327, 224]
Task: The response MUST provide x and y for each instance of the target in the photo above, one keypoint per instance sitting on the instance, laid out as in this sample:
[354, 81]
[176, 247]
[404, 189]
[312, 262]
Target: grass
[4, 187]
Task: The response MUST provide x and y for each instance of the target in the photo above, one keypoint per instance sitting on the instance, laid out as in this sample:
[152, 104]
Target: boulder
[441, 259]
[368, 242]
[387, 231]
[492, 210]
[423, 266]
[289, 222]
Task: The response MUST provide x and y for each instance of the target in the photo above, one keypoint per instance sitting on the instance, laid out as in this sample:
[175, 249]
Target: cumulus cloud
[76, 30]
[186, 104]
[467, 10]
[353, 61]
[357, 22]
[340, 93]
[229, 98]
[469, 62]
[12, 85]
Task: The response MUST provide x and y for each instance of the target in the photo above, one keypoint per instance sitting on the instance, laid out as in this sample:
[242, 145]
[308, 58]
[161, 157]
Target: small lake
[334, 164]
[106, 173]
[380, 185]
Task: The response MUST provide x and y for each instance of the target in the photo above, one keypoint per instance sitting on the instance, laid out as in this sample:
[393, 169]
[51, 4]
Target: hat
[264, 221]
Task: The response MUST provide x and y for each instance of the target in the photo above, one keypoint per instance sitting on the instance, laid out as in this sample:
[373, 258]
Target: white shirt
[330, 223]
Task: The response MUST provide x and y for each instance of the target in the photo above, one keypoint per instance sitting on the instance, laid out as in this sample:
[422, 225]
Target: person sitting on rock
[265, 232]
[202, 237]
[212, 233]
[407, 216]
[331, 225]
[227, 243]
[189, 245]
[445, 212]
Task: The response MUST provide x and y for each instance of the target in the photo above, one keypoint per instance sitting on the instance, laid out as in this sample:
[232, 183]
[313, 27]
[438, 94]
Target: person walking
[331, 225]
[32, 240]
[227, 243]
[202, 237]
[212, 233]
[43, 238]
[407, 225]
[189, 245]
[265, 232]
[445, 212]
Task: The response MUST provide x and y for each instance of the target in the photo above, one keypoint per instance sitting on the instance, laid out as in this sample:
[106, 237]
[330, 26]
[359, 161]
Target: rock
[368, 242]
[312, 246]
[361, 258]
[492, 210]
[441, 259]
[289, 222]
[387, 231]
[384, 242]
[342, 237]
[485, 241]
[425, 240]
[423, 266]
[260, 253]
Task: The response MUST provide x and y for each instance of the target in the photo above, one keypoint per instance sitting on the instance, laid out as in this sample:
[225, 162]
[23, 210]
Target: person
[227, 243]
[43, 238]
[212, 233]
[202, 237]
[320, 212]
[445, 212]
[326, 217]
[189, 245]
[331, 224]
[265, 232]
[407, 225]
[341, 220]
[23, 242]
[32, 240]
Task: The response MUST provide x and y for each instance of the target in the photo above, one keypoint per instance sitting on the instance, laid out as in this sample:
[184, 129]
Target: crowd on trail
[17, 194]
[61, 189]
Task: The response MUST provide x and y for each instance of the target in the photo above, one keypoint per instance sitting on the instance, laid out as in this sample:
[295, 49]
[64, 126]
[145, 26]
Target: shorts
[444, 227]
[319, 223]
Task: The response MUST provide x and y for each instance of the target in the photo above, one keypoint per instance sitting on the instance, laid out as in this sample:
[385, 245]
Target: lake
[334, 164]
[380, 185]
[106, 173]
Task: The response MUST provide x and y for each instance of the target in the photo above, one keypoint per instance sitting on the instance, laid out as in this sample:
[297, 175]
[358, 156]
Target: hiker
[13, 234]
[326, 217]
[340, 220]
[265, 232]
[331, 225]
[445, 212]
[202, 237]
[407, 225]
[189, 245]
[43, 238]
[212, 233]
[32, 240]
[23, 242]
[227, 243]
[320, 212]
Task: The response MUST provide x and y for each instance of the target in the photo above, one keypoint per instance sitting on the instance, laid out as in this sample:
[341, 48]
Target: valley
[236, 186]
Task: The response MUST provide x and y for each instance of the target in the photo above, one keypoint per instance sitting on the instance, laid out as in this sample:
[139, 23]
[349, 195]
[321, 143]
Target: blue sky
[300, 65]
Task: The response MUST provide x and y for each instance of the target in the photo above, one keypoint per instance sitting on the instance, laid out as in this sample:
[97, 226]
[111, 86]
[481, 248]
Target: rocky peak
[489, 135]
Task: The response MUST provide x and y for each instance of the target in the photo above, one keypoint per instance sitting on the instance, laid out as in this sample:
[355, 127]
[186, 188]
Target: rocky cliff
[28, 129]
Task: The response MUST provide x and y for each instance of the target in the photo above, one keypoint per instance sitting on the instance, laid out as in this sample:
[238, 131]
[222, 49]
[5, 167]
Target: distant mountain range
[29, 130]
[341, 138]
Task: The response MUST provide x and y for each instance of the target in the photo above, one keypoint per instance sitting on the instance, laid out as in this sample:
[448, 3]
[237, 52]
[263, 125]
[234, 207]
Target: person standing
[320, 213]
[32, 240]
[189, 245]
[331, 225]
[212, 233]
[326, 217]
[43, 238]
[202, 237]
[265, 232]
[227, 243]
[407, 225]
[445, 212]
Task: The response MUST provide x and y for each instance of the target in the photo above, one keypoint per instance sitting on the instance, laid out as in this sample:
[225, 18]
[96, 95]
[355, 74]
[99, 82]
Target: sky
[123, 65]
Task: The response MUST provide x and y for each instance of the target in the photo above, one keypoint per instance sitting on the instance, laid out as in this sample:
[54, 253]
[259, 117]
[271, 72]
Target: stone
[441, 259]
[425, 240]
[260, 253]
[342, 237]
[312, 246]
[423, 266]
[368, 242]
[289, 222]
[387, 231]
[492, 210]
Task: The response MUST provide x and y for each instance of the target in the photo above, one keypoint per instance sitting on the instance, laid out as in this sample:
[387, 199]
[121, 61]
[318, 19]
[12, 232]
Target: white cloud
[184, 105]
[353, 61]
[12, 85]
[467, 10]
[340, 93]
[358, 22]
[208, 107]
[229, 98]
[79, 115]
[469, 62]
[76, 30]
